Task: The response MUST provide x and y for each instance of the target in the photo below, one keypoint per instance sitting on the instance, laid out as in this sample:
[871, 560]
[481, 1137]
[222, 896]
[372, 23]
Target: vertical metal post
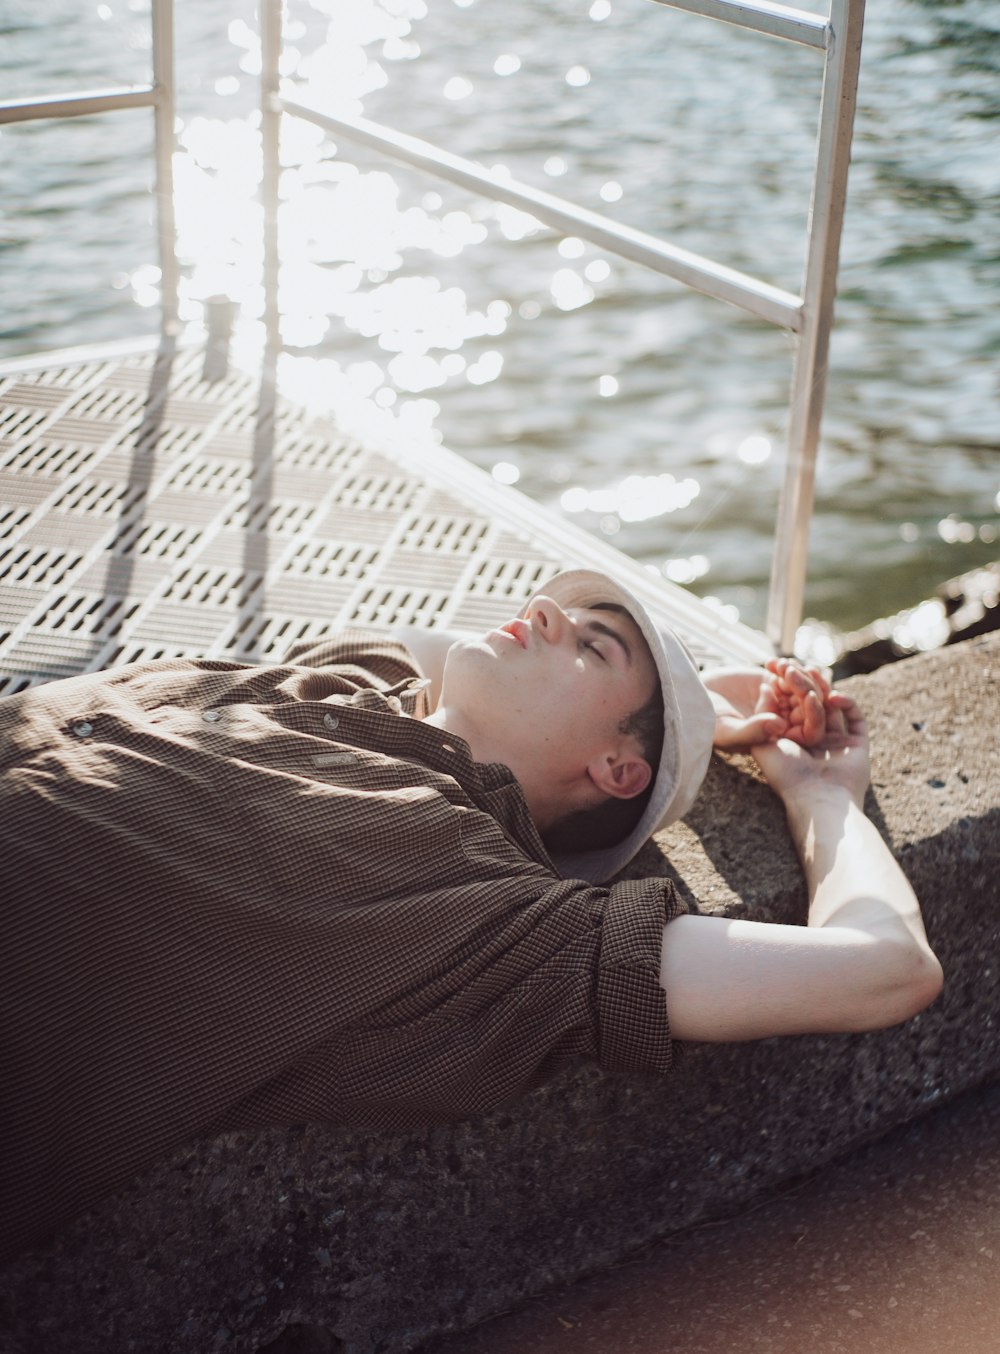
[836, 124]
[164, 114]
[270, 130]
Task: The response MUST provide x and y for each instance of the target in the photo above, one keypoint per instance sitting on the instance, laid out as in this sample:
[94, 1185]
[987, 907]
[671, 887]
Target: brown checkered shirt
[237, 896]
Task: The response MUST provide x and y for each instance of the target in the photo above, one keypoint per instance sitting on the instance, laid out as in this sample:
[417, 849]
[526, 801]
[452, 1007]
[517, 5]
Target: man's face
[547, 693]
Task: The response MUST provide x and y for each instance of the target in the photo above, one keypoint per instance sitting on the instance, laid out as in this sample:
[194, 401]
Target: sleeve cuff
[633, 1029]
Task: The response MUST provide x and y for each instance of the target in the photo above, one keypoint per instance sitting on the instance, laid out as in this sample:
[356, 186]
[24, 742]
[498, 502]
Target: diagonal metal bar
[77, 105]
[778, 21]
[714, 279]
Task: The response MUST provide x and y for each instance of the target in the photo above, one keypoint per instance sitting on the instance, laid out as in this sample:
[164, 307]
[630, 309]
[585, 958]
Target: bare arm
[862, 962]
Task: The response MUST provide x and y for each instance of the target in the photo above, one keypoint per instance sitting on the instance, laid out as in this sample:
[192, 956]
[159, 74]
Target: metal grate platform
[147, 512]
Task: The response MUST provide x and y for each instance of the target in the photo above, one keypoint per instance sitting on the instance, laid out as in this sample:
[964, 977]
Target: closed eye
[593, 632]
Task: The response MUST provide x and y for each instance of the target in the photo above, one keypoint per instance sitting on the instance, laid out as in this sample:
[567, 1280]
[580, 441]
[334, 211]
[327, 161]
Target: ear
[620, 777]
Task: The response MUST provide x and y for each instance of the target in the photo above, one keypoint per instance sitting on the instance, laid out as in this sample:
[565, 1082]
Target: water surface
[652, 416]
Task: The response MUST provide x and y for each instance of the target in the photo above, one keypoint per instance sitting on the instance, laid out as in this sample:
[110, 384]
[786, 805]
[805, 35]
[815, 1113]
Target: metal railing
[808, 316]
[160, 97]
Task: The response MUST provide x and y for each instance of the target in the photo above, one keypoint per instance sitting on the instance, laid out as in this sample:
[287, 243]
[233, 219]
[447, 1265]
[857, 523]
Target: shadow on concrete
[894, 1249]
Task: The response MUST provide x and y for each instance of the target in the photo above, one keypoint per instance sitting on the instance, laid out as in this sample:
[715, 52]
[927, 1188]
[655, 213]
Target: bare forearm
[853, 877]
[862, 963]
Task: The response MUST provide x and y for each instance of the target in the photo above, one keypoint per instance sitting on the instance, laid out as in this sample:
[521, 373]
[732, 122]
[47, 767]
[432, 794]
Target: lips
[518, 630]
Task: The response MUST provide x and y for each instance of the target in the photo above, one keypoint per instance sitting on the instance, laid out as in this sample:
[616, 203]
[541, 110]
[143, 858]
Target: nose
[548, 619]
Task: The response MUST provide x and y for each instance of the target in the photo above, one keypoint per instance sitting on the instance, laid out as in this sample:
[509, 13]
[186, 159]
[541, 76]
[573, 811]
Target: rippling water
[653, 416]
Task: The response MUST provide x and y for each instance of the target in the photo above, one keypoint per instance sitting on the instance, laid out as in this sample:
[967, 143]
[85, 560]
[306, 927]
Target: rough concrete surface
[348, 1241]
[893, 1249]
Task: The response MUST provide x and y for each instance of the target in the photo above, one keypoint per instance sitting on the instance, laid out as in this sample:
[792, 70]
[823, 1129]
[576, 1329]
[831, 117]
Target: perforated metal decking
[146, 511]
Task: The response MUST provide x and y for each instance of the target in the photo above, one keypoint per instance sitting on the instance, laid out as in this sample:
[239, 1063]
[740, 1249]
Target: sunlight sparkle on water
[569, 290]
[343, 232]
[415, 314]
[607, 386]
[339, 73]
[555, 166]
[571, 247]
[146, 285]
[320, 385]
[458, 87]
[600, 10]
[505, 473]
[396, 49]
[242, 35]
[416, 374]
[507, 64]
[754, 450]
[924, 628]
[952, 530]
[218, 216]
[637, 498]
[486, 369]
[815, 644]
[515, 224]
[578, 76]
[597, 270]
[611, 191]
[303, 331]
[686, 569]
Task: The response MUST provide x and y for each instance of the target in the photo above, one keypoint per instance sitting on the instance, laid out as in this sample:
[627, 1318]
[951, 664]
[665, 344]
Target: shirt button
[210, 716]
[331, 721]
[83, 729]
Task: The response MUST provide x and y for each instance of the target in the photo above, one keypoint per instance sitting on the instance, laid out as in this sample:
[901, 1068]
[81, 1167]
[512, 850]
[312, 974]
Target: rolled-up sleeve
[574, 975]
[632, 1028]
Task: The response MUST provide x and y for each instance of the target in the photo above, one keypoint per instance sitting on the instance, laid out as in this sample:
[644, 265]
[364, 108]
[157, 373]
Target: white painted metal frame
[808, 316]
[160, 97]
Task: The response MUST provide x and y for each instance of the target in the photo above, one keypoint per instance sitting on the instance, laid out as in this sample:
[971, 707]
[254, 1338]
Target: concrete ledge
[376, 1243]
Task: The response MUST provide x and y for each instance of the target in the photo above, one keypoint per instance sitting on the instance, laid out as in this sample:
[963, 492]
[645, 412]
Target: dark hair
[610, 822]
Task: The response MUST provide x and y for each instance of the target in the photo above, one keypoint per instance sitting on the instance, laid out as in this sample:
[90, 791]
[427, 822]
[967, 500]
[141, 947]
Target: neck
[546, 803]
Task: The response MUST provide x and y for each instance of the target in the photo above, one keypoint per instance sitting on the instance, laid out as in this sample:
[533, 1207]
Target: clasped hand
[803, 734]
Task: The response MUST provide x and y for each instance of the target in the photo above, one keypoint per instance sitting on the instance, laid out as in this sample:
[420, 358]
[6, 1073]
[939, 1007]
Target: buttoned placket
[406, 691]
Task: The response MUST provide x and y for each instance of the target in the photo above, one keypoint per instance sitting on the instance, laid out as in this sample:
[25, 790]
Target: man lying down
[368, 885]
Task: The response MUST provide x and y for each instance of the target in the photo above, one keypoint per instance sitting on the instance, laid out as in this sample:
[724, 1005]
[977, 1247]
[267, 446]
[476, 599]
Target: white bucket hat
[688, 723]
